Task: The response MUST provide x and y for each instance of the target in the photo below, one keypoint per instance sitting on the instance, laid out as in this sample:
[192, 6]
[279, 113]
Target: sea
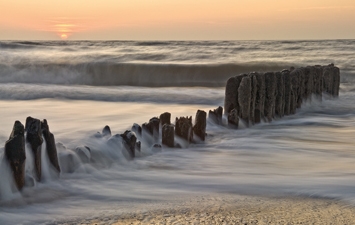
[82, 86]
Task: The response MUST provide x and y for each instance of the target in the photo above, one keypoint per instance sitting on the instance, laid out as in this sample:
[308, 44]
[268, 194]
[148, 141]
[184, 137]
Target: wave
[131, 74]
[162, 63]
[163, 95]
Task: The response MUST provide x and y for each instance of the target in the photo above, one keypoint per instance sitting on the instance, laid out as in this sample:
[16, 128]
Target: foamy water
[309, 153]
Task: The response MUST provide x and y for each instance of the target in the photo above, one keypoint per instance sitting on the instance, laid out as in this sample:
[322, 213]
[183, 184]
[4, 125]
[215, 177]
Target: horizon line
[167, 40]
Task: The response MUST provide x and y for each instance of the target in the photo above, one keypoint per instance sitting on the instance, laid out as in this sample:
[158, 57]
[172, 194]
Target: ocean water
[80, 87]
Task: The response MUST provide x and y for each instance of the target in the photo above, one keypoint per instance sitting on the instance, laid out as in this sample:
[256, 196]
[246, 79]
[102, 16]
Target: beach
[292, 170]
[231, 209]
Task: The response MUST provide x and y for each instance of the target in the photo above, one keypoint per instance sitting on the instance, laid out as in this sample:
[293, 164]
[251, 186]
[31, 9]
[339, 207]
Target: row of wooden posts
[15, 152]
[35, 132]
[183, 128]
[263, 96]
[250, 97]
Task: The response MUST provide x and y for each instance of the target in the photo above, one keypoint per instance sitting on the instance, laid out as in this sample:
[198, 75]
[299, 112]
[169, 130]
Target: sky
[176, 19]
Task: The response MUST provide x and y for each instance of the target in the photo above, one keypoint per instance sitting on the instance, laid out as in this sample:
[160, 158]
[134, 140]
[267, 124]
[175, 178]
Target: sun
[63, 36]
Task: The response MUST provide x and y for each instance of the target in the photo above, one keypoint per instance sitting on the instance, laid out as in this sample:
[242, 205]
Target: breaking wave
[131, 74]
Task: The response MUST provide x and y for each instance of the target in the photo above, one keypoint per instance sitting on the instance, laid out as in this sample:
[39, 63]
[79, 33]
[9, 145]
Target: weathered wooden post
[301, 86]
[168, 135]
[231, 95]
[200, 124]
[253, 92]
[309, 72]
[244, 98]
[183, 128]
[318, 82]
[152, 128]
[280, 95]
[34, 137]
[270, 94]
[51, 147]
[16, 155]
[294, 91]
[106, 131]
[233, 119]
[288, 89]
[165, 118]
[129, 142]
[216, 115]
[260, 97]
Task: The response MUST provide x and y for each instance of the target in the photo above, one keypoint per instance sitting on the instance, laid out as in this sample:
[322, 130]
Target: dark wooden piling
[129, 142]
[301, 86]
[50, 146]
[244, 98]
[34, 138]
[106, 131]
[260, 98]
[152, 128]
[270, 95]
[336, 81]
[328, 79]
[15, 154]
[231, 94]
[215, 115]
[233, 119]
[280, 95]
[200, 124]
[294, 91]
[183, 128]
[137, 129]
[165, 118]
[309, 73]
[168, 135]
[318, 82]
[253, 92]
[288, 89]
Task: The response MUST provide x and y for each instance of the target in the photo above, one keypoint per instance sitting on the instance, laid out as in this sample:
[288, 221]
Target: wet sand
[233, 209]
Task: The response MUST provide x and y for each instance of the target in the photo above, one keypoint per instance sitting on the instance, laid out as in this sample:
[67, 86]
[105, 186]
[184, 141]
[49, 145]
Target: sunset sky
[176, 19]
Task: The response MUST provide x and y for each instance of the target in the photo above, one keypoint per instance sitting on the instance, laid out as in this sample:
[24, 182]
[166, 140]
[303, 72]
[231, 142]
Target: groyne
[264, 96]
[251, 98]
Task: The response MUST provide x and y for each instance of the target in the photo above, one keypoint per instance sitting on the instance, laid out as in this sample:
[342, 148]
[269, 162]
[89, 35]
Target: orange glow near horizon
[173, 19]
[64, 36]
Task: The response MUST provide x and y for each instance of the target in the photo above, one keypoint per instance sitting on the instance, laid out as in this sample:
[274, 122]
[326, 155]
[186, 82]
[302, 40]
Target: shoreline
[230, 209]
